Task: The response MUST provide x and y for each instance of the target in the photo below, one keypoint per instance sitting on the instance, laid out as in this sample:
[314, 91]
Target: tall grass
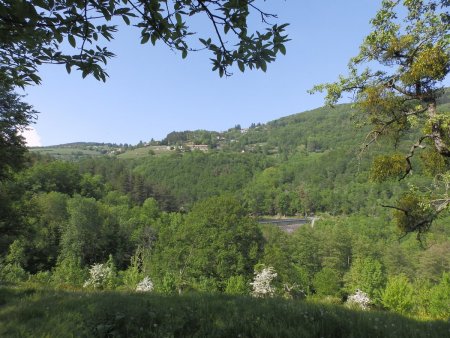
[34, 312]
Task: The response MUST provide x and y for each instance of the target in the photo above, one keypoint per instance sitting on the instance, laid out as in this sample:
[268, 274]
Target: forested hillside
[302, 164]
[187, 219]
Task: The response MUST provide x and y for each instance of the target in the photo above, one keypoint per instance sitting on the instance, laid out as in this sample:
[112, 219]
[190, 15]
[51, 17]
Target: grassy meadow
[66, 152]
[144, 152]
[34, 312]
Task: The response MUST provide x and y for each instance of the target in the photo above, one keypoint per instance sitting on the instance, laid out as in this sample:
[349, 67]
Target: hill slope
[300, 164]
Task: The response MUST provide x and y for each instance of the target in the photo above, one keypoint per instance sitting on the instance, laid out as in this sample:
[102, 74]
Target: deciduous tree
[408, 55]
[15, 116]
[216, 241]
[35, 32]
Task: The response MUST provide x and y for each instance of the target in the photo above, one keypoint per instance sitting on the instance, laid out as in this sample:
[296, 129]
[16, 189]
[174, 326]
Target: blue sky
[153, 91]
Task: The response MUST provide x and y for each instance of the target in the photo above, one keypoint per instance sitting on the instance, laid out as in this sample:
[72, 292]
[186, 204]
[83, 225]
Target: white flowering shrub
[262, 283]
[99, 276]
[145, 285]
[359, 299]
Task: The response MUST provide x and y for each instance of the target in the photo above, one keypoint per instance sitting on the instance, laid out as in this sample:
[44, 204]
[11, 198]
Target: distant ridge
[292, 130]
[80, 144]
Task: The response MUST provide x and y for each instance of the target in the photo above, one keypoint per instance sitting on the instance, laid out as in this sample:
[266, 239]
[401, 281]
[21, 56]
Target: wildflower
[99, 274]
[146, 285]
[261, 283]
[360, 299]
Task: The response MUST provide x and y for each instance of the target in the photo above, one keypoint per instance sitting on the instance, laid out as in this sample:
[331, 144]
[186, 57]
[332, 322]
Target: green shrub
[366, 274]
[16, 253]
[13, 273]
[398, 295]
[204, 284]
[237, 285]
[422, 291]
[440, 298]
[41, 277]
[130, 277]
[69, 272]
[169, 284]
[327, 282]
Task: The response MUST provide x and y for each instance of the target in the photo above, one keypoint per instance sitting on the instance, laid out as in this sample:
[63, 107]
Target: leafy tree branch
[396, 80]
[35, 32]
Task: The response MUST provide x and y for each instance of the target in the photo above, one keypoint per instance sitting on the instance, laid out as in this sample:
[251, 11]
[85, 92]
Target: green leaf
[58, 36]
[263, 66]
[179, 19]
[241, 66]
[126, 19]
[282, 49]
[68, 68]
[36, 79]
[184, 54]
[154, 37]
[121, 11]
[105, 13]
[72, 41]
[47, 51]
[145, 38]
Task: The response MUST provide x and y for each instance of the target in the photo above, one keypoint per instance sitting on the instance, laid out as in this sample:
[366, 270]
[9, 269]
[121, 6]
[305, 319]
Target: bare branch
[411, 154]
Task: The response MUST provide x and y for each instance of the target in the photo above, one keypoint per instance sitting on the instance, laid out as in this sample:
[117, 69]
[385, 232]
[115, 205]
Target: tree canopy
[70, 32]
[15, 116]
[407, 56]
